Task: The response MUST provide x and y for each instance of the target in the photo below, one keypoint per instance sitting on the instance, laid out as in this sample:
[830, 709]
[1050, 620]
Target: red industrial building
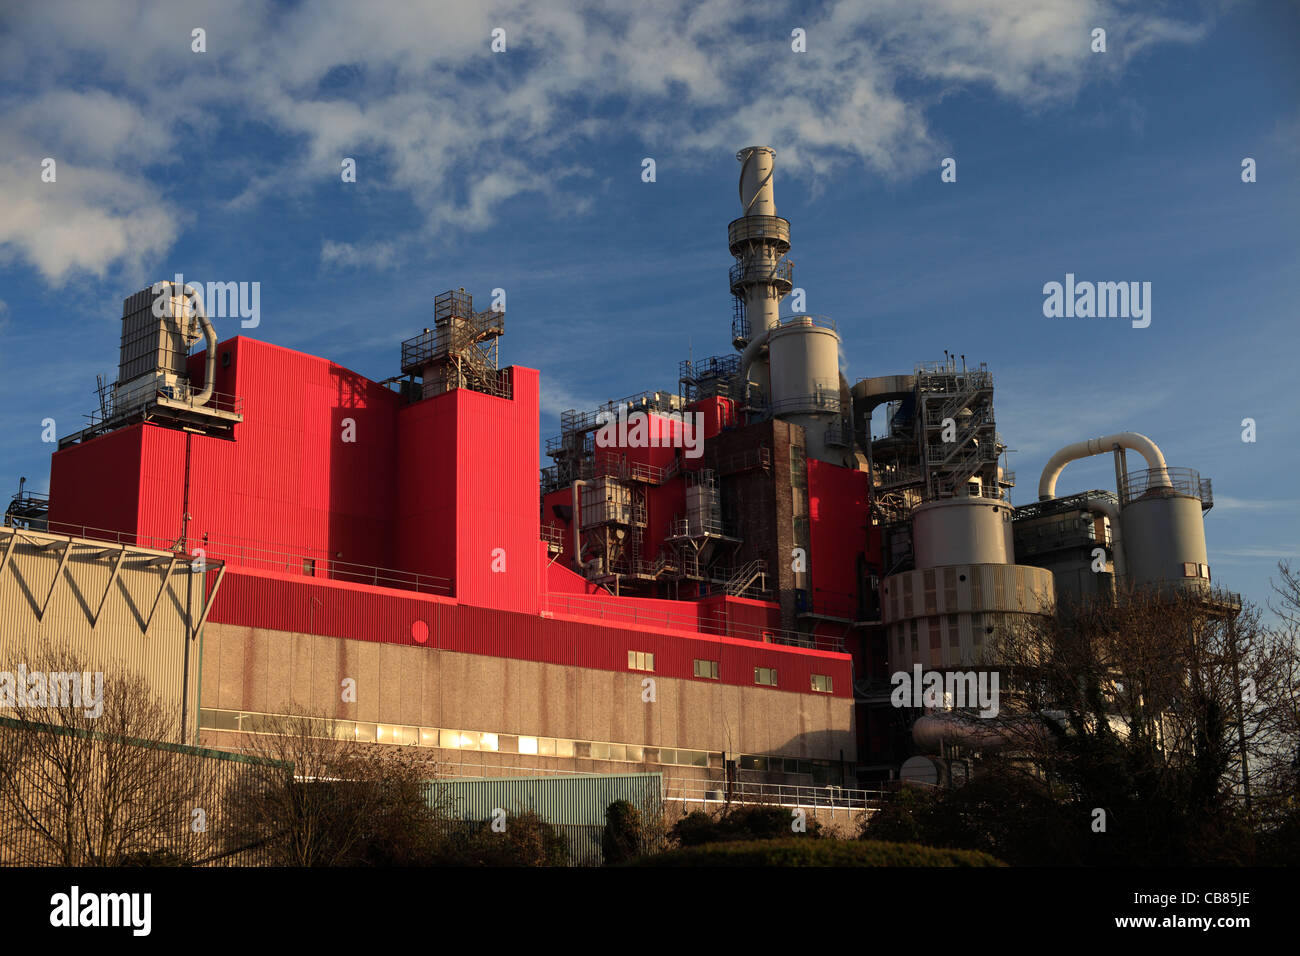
[716, 582]
[363, 512]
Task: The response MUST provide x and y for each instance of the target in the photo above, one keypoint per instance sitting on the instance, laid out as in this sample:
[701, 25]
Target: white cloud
[382, 255]
[1227, 503]
[413, 92]
[1268, 552]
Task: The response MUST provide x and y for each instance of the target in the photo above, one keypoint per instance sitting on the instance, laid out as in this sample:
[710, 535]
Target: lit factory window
[640, 661]
[243, 721]
[765, 676]
[707, 669]
[821, 683]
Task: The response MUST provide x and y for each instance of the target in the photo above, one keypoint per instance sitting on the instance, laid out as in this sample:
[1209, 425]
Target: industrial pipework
[1100, 446]
[181, 304]
[1157, 532]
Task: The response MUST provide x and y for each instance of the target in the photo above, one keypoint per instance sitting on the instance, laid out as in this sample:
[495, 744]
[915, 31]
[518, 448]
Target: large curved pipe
[1102, 506]
[869, 393]
[748, 356]
[1099, 446]
[209, 335]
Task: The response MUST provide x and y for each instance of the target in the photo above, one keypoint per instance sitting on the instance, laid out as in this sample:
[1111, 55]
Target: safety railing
[812, 404]
[688, 619]
[759, 270]
[1181, 481]
[309, 562]
[118, 404]
[776, 794]
[751, 228]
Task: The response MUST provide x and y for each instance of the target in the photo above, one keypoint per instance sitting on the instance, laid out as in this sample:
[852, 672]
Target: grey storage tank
[1164, 531]
[952, 531]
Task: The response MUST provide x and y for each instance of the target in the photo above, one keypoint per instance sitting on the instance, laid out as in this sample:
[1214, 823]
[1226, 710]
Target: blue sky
[522, 170]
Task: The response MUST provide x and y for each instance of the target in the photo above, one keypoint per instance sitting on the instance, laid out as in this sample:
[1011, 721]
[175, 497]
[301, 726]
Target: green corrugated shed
[559, 799]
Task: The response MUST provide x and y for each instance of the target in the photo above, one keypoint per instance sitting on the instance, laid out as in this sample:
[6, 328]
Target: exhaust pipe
[209, 334]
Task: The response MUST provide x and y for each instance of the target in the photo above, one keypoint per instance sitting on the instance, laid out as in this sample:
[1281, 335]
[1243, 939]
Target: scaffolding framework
[461, 350]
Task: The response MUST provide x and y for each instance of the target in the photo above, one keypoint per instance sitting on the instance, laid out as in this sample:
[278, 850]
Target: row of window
[764, 676]
[367, 732]
[822, 771]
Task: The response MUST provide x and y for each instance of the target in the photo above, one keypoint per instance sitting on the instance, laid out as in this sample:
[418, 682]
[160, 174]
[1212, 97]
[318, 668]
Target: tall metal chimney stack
[759, 240]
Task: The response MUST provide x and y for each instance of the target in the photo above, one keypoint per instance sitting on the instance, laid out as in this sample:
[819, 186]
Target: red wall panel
[95, 485]
[496, 496]
[838, 518]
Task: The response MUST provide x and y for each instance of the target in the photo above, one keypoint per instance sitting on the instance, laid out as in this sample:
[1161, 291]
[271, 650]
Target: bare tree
[319, 799]
[1164, 710]
[92, 782]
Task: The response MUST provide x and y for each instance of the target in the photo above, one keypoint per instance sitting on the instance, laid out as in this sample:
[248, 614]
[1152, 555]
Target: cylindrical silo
[805, 368]
[962, 531]
[1164, 540]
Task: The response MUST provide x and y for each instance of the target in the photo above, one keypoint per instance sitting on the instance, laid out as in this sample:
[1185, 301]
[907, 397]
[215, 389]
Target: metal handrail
[780, 271]
[758, 227]
[819, 403]
[1181, 481]
[115, 405]
[238, 553]
[683, 790]
[608, 609]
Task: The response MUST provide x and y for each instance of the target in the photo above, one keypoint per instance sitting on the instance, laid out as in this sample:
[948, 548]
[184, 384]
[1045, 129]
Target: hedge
[801, 851]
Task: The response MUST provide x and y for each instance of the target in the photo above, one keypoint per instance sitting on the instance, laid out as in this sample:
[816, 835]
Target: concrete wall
[276, 672]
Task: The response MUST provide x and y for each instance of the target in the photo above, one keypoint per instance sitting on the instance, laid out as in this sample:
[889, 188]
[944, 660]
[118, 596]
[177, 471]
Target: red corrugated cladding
[838, 519]
[96, 485]
[285, 602]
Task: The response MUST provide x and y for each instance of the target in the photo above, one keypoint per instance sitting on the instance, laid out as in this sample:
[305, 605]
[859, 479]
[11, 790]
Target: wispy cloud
[1283, 505]
[1269, 552]
[380, 255]
[414, 92]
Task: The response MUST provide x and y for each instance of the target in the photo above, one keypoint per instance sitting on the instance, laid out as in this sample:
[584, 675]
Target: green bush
[528, 840]
[740, 823]
[801, 851]
[621, 840]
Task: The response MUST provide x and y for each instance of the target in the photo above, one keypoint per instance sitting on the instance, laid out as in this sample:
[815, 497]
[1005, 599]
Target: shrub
[740, 823]
[622, 838]
[800, 851]
[528, 840]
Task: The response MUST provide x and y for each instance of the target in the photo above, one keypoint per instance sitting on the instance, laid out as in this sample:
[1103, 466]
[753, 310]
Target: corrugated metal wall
[118, 641]
[838, 517]
[563, 798]
[97, 484]
[496, 496]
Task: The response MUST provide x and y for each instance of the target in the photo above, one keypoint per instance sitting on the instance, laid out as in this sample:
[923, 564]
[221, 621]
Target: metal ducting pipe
[1111, 510]
[751, 352]
[1100, 446]
[577, 528]
[870, 393]
[209, 334]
